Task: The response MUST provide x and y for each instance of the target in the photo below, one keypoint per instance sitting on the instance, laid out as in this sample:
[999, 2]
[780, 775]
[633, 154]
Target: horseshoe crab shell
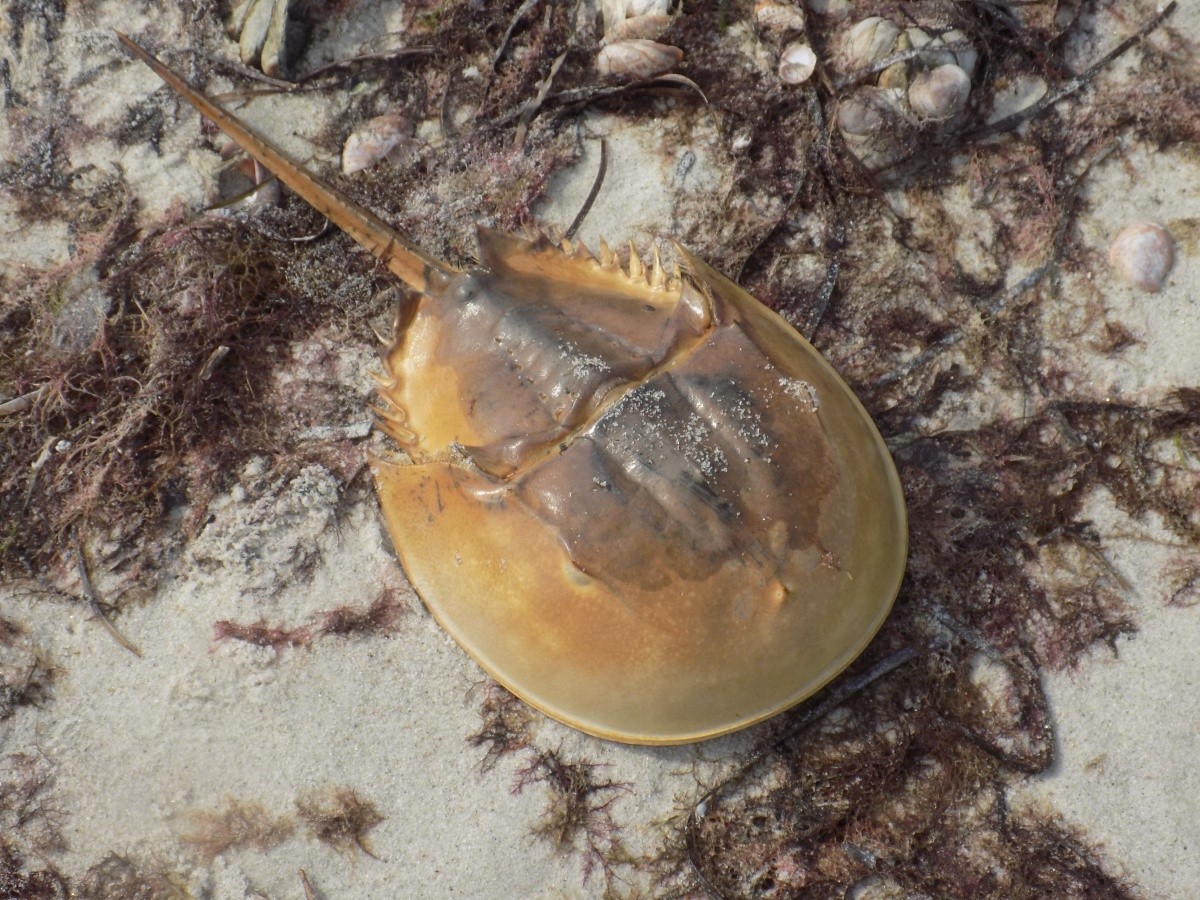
[644, 503]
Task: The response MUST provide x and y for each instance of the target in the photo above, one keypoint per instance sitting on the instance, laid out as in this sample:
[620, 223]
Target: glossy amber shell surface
[645, 504]
[655, 513]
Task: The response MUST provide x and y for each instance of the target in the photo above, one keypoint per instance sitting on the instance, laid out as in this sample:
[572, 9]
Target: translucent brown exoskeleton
[640, 500]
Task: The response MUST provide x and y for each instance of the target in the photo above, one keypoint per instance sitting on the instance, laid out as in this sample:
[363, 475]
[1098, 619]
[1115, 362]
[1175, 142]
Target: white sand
[135, 743]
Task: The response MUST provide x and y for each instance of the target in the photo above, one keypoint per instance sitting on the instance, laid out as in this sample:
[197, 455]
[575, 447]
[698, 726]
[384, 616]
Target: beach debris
[244, 184]
[939, 93]
[267, 34]
[384, 137]
[797, 63]
[649, 27]
[86, 304]
[778, 17]
[340, 818]
[869, 41]
[1142, 255]
[864, 118]
[630, 45]
[624, 489]
[637, 58]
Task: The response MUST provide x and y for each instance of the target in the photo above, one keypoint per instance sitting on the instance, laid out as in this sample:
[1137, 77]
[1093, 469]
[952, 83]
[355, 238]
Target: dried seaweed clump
[337, 816]
[382, 616]
[578, 816]
[142, 369]
[341, 818]
[898, 791]
[30, 817]
[236, 825]
[26, 675]
[507, 724]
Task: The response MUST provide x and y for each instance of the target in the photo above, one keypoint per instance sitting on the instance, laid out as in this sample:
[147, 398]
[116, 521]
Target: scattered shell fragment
[383, 137]
[939, 93]
[1142, 255]
[830, 9]
[859, 115]
[244, 183]
[870, 40]
[936, 52]
[266, 33]
[778, 17]
[627, 19]
[863, 119]
[638, 58]
[647, 8]
[649, 27]
[797, 63]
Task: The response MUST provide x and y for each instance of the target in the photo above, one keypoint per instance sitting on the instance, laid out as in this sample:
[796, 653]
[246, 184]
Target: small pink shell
[1142, 255]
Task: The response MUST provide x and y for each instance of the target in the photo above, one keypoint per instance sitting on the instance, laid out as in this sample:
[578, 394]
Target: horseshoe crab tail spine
[409, 263]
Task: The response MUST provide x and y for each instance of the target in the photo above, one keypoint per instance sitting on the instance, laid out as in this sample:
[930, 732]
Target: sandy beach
[365, 749]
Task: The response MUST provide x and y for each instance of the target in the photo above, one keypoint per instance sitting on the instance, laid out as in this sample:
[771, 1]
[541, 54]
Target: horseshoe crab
[643, 502]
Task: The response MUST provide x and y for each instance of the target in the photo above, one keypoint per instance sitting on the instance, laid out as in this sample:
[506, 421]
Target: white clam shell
[649, 27]
[647, 7]
[797, 63]
[863, 119]
[829, 8]
[637, 58]
[1142, 255]
[374, 140]
[935, 52]
[869, 40]
[939, 93]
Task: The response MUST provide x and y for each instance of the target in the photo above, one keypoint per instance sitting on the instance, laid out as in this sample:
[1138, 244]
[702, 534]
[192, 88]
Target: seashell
[275, 48]
[637, 58]
[860, 114]
[778, 17]
[939, 93]
[863, 120]
[797, 63]
[829, 9]
[869, 40]
[1142, 255]
[235, 22]
[966, 59]
[644, 503]
[935, 52]
[265, 33]
[254, 31]
[383, 137]
[648, 27]
[635, 8]
[897, 74]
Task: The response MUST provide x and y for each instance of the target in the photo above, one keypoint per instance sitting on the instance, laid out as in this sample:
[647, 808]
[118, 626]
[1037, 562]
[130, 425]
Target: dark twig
[825, 294]
[577, 98]
[1071, 85]
[529, 110]
[93, 601]
[22, 403]
[774, 229]
[860, 75]
[593, 193]
[835, 697]
[351, 62]
[512, 27]
[1004, 298]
